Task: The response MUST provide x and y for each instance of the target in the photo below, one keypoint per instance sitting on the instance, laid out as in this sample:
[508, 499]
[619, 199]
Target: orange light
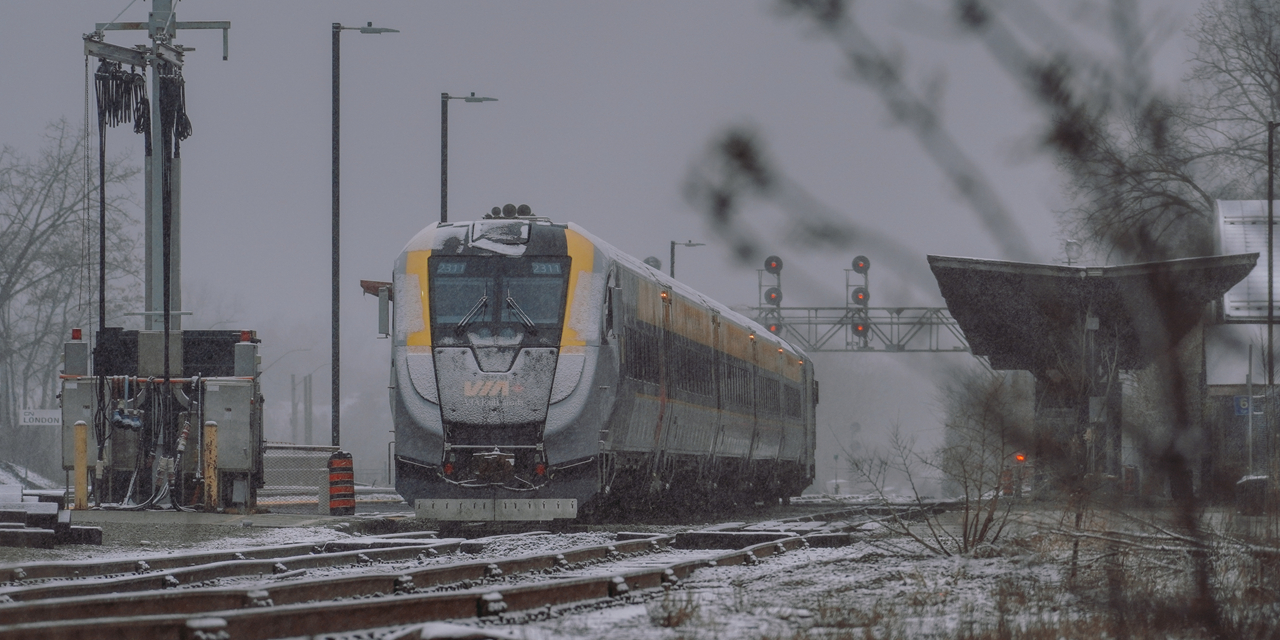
[752, 336]
[800, 361]
[779, 349]
[448, 468]
[76, 334]
[1020, 457]
[664, 295]
[540, 469]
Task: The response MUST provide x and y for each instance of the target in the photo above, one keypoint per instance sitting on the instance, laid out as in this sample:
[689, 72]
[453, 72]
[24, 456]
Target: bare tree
[48, 271]
[1142, 168]
[988, 425]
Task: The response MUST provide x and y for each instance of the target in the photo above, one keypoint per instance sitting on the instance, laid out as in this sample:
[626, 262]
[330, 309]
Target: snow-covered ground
[16, 474]
[813, 593]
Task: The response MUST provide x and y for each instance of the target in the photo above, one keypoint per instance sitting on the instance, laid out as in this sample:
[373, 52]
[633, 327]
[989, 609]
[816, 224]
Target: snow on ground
[11, 473]
[817, 592]
[130, 540]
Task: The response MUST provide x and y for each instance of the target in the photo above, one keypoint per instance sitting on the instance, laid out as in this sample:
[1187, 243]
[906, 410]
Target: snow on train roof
[436, 236]
[636, 264]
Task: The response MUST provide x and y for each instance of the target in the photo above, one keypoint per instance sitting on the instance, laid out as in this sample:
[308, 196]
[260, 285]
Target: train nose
[469, 395]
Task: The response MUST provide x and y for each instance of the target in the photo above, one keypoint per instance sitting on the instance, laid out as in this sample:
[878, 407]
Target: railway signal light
[860, 329]
[775, 328]
[861, 265]
[1020, 457]
[773, 296]
[860, 296]
[773, 264]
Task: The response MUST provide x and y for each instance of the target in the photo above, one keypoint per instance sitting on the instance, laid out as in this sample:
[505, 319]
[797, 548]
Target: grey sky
[603, 108]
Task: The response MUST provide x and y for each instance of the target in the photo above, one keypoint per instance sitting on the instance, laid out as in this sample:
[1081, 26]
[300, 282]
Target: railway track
[373, 582]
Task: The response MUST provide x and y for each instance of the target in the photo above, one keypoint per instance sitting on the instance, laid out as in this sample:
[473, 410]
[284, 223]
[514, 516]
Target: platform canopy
[1034, 316]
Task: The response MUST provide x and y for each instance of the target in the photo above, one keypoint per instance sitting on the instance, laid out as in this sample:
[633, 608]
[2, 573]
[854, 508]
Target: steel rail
[143, 578]
[90, 568]
[204, 599]
[312, 618]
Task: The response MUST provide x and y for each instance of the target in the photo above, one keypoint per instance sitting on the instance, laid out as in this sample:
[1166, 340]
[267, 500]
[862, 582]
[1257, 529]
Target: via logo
[486, 388]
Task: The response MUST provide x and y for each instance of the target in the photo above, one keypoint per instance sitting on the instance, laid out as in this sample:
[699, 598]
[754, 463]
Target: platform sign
[1242, 405]
[40, 418]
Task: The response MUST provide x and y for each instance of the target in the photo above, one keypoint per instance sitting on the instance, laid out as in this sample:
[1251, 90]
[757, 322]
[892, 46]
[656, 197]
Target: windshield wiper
[466, 320]
[524, 318]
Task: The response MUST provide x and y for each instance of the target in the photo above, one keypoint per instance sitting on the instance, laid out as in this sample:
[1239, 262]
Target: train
[538, 372]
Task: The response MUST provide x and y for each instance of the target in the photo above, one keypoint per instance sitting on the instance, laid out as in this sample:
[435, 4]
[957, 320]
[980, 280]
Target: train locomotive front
[533, 374]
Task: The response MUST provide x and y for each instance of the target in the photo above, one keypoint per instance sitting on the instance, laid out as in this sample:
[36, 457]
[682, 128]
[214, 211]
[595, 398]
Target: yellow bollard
[210, 456]
[82, 465]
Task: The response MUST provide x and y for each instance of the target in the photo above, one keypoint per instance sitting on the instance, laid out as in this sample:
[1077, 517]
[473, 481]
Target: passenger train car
[532, 360]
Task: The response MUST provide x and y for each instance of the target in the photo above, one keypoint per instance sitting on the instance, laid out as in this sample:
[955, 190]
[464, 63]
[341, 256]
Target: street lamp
[672, 264]
[337, 31]
[444, 146]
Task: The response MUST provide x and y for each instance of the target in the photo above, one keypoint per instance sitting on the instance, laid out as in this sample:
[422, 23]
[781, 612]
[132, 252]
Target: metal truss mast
[865, 329]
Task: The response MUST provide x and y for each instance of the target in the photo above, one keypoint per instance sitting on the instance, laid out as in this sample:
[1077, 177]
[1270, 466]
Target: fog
[603, 108]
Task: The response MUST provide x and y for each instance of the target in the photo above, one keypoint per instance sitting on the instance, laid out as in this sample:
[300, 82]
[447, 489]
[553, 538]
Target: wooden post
[82, 465]
[210, 456]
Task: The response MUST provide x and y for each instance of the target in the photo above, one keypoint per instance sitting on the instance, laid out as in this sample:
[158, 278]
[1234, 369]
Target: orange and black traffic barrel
[342, 485]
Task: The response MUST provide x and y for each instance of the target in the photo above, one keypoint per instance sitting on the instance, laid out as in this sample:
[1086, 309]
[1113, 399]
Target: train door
[783, 418]
[754, 387]
[717, 386]
[666, 364]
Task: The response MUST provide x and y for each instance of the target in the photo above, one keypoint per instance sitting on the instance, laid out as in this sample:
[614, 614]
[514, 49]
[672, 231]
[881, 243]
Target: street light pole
[444, 146]
[336, 246]
[671, 266]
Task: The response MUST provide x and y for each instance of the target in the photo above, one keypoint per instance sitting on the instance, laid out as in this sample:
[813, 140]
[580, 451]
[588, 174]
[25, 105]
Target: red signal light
[448, 468]
[246, 336]
[540, 469]
[860, 329]
[860, 296]
[775, 329]
[773, 296]
[861, 264]
[773, 264]
[1020, 457]
[76, 334]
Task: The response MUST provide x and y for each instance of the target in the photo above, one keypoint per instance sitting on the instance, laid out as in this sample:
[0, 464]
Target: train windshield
[497, 300]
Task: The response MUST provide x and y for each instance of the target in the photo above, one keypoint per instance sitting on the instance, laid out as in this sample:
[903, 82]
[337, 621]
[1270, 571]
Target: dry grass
[675, 609]
[1131, 580]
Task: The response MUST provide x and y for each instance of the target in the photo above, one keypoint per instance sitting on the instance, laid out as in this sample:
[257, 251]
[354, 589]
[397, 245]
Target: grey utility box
[230, 403]
[79, 402]
[246, 364]
[75, 358]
